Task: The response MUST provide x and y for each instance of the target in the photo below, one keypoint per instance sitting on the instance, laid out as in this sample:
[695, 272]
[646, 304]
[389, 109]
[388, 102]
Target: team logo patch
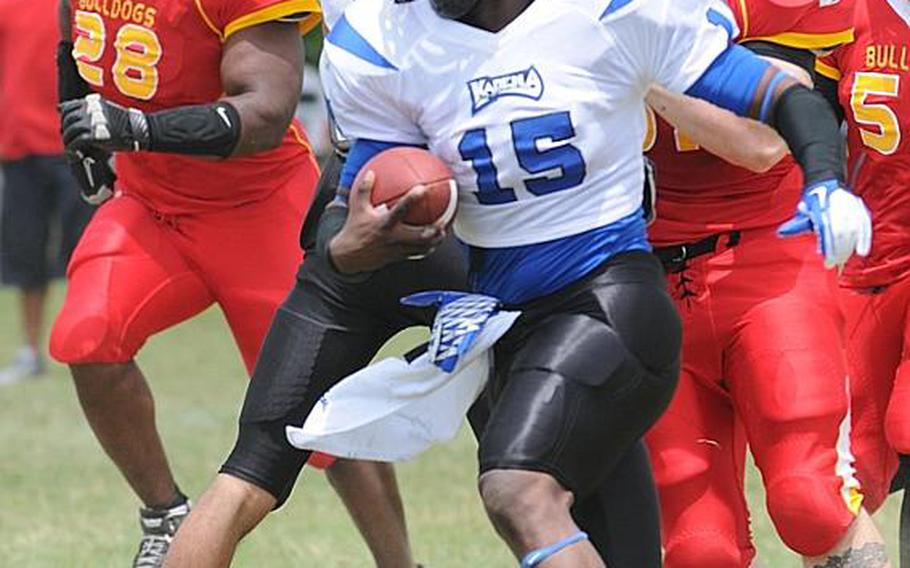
[487, 90]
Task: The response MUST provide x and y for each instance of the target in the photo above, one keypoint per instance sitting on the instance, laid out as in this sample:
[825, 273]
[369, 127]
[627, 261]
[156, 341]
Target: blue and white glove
[457, 325]
[839, 218]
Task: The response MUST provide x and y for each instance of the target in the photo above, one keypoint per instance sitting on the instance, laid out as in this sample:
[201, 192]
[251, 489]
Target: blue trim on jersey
[520, 274]
[347, 38]
[614, 6]
[719, 19]
[732, 80]
[360, 153]
[769, 96]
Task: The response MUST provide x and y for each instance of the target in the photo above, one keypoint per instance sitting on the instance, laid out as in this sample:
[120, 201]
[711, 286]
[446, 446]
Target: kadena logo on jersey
[487, 90]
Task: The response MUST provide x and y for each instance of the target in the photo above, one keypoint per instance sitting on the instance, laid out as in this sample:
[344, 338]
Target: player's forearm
[264, 122]
[745, 84]
[742, 142]
[805, 120]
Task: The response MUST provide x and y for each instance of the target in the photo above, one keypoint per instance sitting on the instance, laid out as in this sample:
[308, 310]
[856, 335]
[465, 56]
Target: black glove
[95, 123]
[91, 168]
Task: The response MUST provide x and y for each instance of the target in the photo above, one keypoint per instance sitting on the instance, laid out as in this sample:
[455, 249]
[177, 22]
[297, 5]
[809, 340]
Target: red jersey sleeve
[227, 17]
[802, 24]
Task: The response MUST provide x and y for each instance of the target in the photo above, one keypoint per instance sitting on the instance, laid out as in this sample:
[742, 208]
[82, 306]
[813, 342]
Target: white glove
[840, 220]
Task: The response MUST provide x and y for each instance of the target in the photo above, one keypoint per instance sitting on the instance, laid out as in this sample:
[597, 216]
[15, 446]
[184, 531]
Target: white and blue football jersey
[541, 122]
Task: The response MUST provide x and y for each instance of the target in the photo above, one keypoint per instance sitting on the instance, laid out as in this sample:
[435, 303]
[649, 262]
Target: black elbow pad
[202, 130]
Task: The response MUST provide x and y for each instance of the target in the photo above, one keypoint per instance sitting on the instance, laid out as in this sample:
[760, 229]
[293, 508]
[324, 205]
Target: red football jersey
[700, 194]
[160, 54]
[874, 90]
[806, 24]
[28, 79]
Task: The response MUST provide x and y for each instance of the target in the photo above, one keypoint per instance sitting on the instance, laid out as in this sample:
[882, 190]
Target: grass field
[62, 504]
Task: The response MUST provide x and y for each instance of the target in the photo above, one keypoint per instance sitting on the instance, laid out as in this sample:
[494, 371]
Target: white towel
[394, 410]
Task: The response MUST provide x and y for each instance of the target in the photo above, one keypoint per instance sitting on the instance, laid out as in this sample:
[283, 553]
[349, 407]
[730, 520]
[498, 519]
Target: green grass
[62, 504]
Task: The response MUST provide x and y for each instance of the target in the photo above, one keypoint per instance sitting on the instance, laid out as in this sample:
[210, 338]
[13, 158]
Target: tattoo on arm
[870, 555]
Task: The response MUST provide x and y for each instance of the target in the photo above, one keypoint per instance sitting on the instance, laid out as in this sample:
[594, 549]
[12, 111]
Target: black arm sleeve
[70, 85]
[828, 88]
[325, 193]
[802, 58]
[202, 130]
[330, 224]
[804, 119]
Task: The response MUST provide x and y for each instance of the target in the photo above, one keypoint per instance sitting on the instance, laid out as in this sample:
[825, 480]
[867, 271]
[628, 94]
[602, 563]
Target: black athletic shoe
[158, 529]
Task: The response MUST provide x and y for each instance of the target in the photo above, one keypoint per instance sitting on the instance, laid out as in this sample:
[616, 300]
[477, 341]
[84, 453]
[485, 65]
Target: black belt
[674, 257]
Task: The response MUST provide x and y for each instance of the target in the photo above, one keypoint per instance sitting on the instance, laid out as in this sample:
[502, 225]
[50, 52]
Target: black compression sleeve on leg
[202, 130]
[70, 85]
[622, 518]
[805, 120]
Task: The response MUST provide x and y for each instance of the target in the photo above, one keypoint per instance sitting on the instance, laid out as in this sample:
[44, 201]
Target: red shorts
[878, 357]
[762, 363]
[136, 272]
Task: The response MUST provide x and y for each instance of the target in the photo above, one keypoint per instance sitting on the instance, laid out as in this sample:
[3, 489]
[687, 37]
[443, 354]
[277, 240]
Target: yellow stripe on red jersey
[227, 17]
[824, 67]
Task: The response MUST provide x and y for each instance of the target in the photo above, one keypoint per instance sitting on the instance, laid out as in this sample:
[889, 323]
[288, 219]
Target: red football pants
[878, 358]
[137, 272]
[763, 365]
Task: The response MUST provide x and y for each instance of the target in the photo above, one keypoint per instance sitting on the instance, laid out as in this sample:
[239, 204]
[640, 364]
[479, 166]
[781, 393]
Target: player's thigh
[249, 256]
[897, 419]
[698, 454]
[787, 376]
[874, 349]
[310, 346]
[127, 281]
[577, 382]
[26, 212]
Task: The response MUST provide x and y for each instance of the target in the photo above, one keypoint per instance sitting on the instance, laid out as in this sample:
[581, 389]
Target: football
[400, 169]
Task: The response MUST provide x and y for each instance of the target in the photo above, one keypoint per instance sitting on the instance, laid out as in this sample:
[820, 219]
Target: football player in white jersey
[538, 109]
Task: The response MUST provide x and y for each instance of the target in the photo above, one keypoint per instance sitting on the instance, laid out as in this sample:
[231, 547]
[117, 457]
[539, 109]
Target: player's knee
[79, 338]
[263, 457]
[516, 501]
[704, 550]
[809, 512]
[897, 419]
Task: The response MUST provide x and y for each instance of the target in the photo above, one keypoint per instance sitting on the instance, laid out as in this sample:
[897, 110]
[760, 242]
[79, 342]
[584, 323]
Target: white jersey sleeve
[362, 84]
[670, 43]
[332, 10]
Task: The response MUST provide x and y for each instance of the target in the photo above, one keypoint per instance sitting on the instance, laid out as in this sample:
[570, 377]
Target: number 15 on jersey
[557, 167]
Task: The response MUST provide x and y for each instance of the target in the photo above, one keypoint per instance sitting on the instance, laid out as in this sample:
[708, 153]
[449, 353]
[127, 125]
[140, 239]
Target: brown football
[399, 169]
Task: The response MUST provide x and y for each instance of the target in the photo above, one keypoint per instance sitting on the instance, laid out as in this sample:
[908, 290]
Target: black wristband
[201, 130]
[805, 120]
[70, 84]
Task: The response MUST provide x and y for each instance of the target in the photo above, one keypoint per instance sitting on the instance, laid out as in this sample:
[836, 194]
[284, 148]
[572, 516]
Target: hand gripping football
[398, 170]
